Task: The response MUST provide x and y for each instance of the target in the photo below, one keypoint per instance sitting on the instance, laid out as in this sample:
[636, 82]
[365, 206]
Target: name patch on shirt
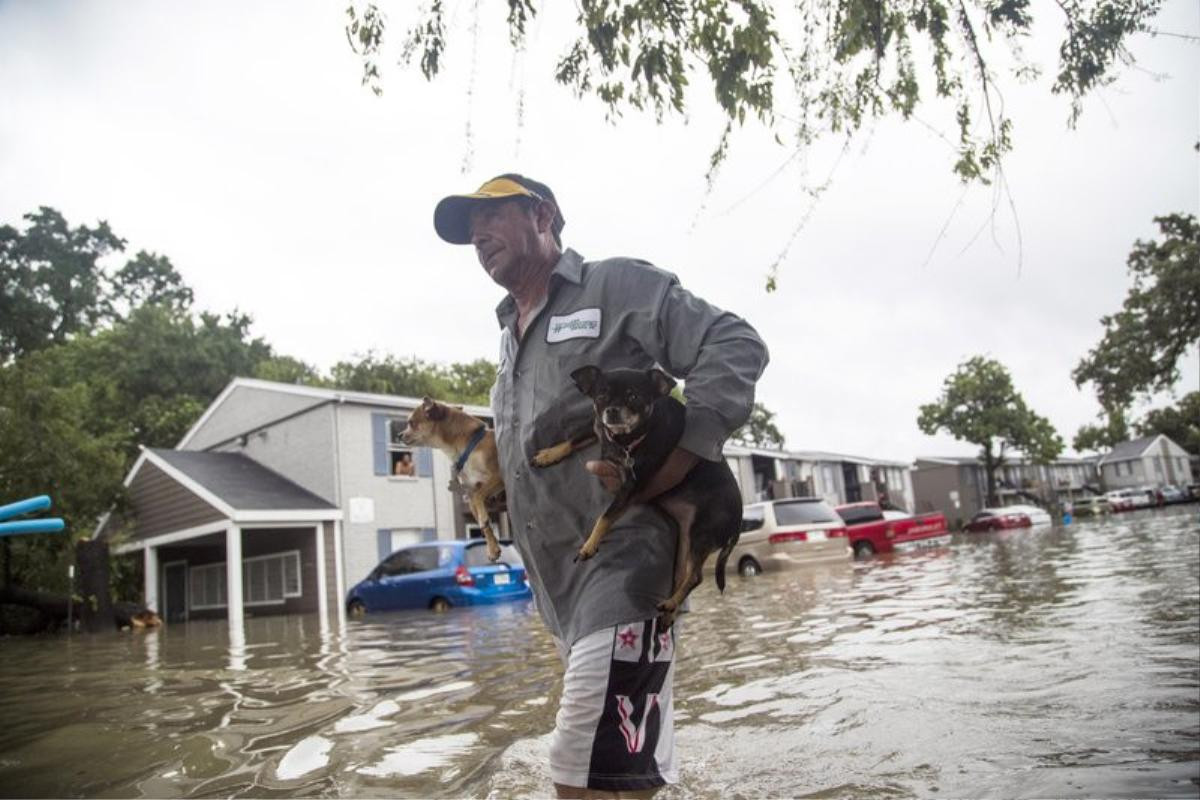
[582, 324]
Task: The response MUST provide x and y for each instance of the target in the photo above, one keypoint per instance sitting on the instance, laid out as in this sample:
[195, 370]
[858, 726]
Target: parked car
[1174, 494]
[997, 519]
[1090, 507]
[787, 533]
[1120, 500]
[1037, 515]
[438, 575]
[870, 530]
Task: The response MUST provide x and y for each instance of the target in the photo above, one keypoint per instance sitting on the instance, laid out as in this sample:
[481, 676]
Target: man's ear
[663, 383]
[586, 379]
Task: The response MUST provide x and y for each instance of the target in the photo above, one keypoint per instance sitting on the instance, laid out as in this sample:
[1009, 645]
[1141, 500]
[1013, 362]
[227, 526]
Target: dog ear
[586, 378]
[663, 382]
[436, 411]
[427, 402]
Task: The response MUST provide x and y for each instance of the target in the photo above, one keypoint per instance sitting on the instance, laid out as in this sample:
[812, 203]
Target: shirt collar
[569, 268]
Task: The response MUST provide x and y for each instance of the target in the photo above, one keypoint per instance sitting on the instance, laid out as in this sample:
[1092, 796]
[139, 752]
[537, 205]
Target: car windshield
[802, 512]
[476, 555]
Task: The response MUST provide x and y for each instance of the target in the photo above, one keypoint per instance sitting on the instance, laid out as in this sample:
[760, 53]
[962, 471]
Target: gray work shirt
[614, 313]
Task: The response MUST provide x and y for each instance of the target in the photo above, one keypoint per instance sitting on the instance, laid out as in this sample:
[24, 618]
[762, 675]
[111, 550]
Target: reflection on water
[1052, 662]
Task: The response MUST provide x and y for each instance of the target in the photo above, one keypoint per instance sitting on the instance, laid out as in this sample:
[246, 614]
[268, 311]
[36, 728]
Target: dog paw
[550, 455]
[493, 555]
[585, 553]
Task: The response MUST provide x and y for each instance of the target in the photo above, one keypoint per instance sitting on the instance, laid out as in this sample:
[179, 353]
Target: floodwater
[1058, 662]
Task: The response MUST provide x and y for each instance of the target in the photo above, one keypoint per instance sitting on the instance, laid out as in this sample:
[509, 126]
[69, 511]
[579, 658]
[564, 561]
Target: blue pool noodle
[51, 525]
[39, 503]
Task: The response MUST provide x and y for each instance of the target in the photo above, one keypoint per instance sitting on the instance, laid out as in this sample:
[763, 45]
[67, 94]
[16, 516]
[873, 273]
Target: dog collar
[629, 448]
[476, 438]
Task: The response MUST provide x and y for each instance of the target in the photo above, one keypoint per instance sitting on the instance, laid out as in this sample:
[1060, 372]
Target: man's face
[506, 238]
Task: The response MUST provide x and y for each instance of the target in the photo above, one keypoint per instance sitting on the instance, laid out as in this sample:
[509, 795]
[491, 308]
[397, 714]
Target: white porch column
[322, 581]
[339, 573]
[233, 574]
[150, 577]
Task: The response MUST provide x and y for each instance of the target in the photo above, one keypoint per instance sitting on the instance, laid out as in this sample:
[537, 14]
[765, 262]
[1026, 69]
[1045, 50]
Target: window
[401, 460]
[206, 586]
[400, 563]
[856, 514]
[271, 579]
[804, 511]
[753, 518]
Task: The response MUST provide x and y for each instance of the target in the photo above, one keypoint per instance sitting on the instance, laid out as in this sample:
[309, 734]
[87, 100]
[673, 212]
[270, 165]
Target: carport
[224, 536]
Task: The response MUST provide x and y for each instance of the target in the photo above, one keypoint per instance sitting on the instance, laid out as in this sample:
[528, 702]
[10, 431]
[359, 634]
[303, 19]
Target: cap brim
[452, 218]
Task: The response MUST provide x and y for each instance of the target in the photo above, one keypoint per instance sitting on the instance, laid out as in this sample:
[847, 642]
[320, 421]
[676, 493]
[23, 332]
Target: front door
[175, 592]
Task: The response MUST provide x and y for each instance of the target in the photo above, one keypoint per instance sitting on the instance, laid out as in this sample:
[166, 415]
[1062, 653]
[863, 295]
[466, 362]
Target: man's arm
[720, 358]
[718, 354]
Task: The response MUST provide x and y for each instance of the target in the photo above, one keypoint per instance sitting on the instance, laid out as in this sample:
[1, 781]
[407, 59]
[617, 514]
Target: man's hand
[678, 464]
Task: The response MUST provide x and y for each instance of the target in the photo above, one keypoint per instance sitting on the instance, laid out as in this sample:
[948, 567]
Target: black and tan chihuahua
[638, 424]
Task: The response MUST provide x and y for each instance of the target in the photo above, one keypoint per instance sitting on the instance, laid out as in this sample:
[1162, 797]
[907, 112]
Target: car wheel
[355, 608]
[439, 604]
[748, 568]
[863, 549]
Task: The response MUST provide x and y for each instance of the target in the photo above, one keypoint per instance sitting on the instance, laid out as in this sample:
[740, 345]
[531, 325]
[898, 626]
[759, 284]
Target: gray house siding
[245, 409]
[932, 486]
[161, 505]
[397, 503]
[300, 448]
[331, 567]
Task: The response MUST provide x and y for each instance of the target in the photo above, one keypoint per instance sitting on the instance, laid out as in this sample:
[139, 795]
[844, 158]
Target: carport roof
[241, 483]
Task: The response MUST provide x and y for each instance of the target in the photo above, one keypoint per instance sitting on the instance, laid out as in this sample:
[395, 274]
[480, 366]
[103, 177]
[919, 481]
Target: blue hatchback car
[439, 575]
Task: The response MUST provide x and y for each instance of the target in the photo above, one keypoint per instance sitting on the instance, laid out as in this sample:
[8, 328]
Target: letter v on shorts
[615, 725]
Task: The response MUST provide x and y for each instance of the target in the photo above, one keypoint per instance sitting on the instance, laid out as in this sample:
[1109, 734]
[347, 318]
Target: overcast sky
[235, 139]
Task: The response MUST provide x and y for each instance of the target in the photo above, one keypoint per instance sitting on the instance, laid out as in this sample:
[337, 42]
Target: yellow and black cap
[452, 217]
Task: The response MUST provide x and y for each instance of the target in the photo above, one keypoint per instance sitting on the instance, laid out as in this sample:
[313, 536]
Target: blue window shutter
[379, 432]
[424, 462]
[428, 534]
[384, 536]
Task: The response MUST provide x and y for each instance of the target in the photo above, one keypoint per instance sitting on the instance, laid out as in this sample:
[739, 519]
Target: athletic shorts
[615, 725]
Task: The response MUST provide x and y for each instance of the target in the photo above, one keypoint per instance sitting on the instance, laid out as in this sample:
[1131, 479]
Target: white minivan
[778, 534]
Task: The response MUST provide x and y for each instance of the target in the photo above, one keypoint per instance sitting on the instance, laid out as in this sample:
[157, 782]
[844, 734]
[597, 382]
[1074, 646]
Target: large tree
[760, 429]
[53, 284]
[469, 382]
[1157, 327]
[1180, 422]
[980, 405]
[806, 68]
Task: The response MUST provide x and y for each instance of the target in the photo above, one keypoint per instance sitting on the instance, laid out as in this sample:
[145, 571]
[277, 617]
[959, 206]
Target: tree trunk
[91, 565]
[989, 469]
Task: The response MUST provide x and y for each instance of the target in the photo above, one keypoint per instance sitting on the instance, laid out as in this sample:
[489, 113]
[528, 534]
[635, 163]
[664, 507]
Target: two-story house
[279, 497]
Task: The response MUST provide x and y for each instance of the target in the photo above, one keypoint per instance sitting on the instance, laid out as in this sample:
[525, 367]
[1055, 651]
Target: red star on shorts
[664, 641]
[628, 638]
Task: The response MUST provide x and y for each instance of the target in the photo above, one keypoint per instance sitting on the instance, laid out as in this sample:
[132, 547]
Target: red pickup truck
[871, 531]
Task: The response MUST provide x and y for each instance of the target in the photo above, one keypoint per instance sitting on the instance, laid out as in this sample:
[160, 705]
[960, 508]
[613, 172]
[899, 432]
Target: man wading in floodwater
[614, 731]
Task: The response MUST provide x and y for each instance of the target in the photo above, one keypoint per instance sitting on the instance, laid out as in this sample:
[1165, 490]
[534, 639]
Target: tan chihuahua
[472, 448]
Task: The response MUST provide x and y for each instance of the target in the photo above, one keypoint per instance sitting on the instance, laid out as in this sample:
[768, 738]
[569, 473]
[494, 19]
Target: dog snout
[613, 415]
